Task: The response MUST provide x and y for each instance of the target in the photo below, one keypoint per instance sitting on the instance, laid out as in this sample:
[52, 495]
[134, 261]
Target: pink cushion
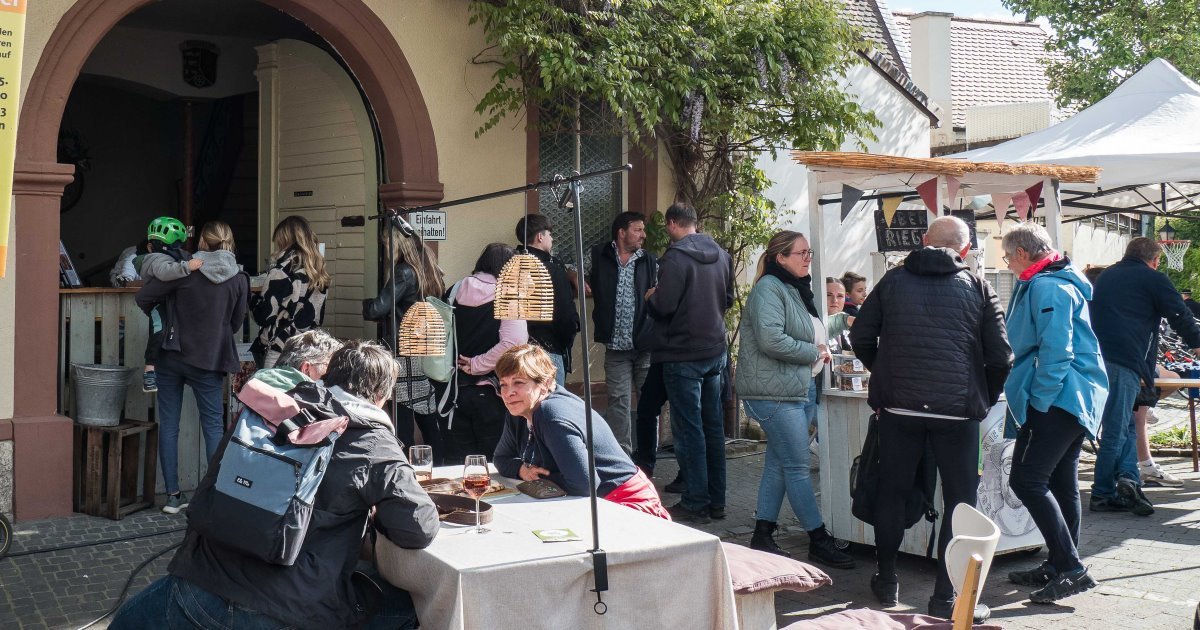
[868, 619]
[753, 571]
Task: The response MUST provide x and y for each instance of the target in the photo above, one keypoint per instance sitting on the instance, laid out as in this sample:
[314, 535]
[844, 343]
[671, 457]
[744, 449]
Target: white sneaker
[814, 456]
[1151, 417]
[1156, 476]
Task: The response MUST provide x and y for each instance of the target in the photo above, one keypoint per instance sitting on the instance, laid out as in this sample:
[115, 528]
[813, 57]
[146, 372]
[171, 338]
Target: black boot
[678, 486]
[763, 539]
[821, 549]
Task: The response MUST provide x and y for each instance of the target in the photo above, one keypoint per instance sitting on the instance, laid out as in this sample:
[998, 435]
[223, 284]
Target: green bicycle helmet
[168, 230]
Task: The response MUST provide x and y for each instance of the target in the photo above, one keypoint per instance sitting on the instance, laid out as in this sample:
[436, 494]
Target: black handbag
[865, 474]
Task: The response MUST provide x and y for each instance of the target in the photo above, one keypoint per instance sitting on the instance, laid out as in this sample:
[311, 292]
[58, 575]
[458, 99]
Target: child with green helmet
[166, 260]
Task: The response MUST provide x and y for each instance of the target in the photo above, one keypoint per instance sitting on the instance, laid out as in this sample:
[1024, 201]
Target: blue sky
[965, 8]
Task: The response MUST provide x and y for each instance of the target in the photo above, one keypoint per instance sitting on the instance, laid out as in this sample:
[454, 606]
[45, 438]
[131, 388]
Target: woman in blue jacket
[1056, 393]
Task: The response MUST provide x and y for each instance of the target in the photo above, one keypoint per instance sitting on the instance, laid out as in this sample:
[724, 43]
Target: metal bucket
[100, 393]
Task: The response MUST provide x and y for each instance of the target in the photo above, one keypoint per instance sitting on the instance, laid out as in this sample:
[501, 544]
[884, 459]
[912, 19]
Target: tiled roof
[991, 62]
[874, 19]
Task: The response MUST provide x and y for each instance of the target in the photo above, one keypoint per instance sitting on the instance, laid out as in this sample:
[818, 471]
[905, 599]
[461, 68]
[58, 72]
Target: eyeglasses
[1004, 258]
[804, 253]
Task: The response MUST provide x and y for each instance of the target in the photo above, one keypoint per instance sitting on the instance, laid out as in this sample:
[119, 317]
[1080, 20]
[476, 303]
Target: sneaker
[1037, 576]
[1109, 504]
[149, 381]
[681, 514]
[825, 551]
[944, 608]
[1154, 475]
[814, 457]
[676, 487]
[175, 503]
[1151, 417]
[1128, 490]
[1063, 585]
[716, 513]
[887, 591]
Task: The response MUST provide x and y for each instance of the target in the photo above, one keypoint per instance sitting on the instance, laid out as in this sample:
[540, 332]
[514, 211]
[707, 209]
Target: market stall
[900, 196]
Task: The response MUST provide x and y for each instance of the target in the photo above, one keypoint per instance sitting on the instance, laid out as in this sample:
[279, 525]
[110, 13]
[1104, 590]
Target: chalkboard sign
[908, 227]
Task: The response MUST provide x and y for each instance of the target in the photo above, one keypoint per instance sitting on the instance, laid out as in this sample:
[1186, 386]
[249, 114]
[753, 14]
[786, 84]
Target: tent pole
[1053, 212]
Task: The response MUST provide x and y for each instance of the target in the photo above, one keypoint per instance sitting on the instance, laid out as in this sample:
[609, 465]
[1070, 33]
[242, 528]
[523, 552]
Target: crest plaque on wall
[199, 63]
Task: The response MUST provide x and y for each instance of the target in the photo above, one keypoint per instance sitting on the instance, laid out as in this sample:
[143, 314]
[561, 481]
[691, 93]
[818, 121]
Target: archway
[42, 439]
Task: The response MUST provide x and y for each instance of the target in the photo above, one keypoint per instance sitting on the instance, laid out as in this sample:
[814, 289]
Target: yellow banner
[12, 40]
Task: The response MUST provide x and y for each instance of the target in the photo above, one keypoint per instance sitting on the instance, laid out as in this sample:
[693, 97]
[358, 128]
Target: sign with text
[908, 227]
[12, 39]
[431, 225]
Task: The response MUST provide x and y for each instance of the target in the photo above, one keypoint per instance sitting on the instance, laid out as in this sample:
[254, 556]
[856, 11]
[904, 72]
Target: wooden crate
[109, 464]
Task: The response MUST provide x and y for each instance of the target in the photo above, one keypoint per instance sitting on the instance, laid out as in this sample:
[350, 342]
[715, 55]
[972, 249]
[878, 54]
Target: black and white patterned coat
[288, 304]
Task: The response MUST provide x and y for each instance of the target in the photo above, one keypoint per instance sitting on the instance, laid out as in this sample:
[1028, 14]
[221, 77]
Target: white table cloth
[661, 574]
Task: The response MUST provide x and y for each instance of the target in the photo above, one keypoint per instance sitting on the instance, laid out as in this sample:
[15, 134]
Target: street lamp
[1166, 233]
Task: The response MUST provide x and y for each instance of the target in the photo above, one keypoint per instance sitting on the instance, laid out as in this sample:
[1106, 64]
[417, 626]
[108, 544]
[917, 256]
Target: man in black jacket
[1130, 299]
[621, 275]
[932, 334]
[695, 288]
[366, 473]
[534, 233]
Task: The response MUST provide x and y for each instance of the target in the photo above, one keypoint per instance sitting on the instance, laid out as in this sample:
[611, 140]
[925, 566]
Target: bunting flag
[889, 207]
[1000, 201]
[850, 198]
[928, 192]
[1020, 201]
[1034, 194]
[12, 40]
[952, 186]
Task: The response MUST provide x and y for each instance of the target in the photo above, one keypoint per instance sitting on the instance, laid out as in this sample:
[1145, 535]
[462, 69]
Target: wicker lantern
[422, 332]
[524, 290]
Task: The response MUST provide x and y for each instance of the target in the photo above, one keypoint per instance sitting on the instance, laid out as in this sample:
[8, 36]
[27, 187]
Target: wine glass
[421, 458]
[476, 481]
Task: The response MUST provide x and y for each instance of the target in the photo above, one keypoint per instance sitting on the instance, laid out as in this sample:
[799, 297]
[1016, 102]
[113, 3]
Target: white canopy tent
[1143, 137]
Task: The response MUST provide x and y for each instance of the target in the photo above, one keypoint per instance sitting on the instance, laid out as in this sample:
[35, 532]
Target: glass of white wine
[476, 481]
[421, 458]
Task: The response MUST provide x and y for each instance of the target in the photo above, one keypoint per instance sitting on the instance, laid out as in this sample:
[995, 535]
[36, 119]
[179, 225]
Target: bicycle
[5, 535]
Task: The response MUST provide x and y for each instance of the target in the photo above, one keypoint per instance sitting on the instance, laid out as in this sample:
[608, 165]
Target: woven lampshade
[524, 290]
[422, 332]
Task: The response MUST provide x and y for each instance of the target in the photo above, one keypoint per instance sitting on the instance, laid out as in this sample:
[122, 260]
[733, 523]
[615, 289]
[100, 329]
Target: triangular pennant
[1020, 201]
[850, 197]
[1000, 201]
[952, 186]
[889, 208]
[928, 192]
[1034, 194]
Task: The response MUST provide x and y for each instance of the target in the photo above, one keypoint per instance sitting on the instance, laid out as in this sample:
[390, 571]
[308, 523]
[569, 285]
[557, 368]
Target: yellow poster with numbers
[12, 39]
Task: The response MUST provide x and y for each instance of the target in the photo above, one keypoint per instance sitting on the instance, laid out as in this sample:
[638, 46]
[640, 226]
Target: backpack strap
[452, 386]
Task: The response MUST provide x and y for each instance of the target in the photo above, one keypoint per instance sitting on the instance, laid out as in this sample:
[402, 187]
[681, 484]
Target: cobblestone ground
[1149, 568]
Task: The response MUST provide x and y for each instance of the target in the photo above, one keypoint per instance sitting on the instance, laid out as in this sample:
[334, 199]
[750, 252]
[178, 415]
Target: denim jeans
[560, 368]
[651, 398]
[810, 405]
[624, 371]
[785, 470]
[694, 390]
[172, 603]
[1045, 466]
[1118, 433]
[208, 387]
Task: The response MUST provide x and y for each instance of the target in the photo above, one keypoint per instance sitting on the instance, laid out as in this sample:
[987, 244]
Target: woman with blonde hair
[414, 276]
[783, 346]
[293, 300]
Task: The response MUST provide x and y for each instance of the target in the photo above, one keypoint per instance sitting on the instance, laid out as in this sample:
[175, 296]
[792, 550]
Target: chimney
[931, 57]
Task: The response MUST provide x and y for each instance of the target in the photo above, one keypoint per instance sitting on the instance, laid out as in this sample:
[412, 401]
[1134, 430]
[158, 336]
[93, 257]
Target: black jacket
[1128, 301]
[368, 469]
[406, 293]
[556, 336]
[695, 288]
[932, 334]
[603, 280]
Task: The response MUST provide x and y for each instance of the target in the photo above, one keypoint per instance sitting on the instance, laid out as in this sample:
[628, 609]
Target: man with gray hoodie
[695, 288]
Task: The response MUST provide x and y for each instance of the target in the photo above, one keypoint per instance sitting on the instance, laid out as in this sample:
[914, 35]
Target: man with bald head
[932, 334]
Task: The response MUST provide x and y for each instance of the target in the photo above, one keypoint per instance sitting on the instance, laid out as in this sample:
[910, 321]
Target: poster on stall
[995, 498]
[12, 39]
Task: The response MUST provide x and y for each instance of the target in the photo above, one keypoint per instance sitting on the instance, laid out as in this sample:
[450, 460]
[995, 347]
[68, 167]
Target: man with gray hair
[932, 334]
[1056, 391]
[309, 352]
[1131, 297]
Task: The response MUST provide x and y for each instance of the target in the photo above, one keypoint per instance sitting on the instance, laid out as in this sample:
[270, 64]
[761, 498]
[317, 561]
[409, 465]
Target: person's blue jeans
[208, 387]
[785, 470]
[560, 368]
[1118, 433]
[174, 603]
[694, 391]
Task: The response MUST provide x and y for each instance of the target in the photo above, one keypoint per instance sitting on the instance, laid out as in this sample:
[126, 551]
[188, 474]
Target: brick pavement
[1149, 567]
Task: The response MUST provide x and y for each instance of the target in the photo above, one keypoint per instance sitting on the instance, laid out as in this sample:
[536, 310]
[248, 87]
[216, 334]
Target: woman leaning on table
[545, 437]
[783, 346]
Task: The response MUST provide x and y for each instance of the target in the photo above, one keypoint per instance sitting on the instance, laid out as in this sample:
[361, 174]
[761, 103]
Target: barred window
[601, 199]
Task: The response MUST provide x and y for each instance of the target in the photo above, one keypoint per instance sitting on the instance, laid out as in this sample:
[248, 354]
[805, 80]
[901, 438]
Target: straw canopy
[524, 290]
[422, 332]
[942, 166]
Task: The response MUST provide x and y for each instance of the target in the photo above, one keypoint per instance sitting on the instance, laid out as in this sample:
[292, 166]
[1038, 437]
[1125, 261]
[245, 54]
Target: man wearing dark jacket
[622, 273]
[1130, 299]
[534, 233]
[367, 471]
[695, 288]
[932, 334]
